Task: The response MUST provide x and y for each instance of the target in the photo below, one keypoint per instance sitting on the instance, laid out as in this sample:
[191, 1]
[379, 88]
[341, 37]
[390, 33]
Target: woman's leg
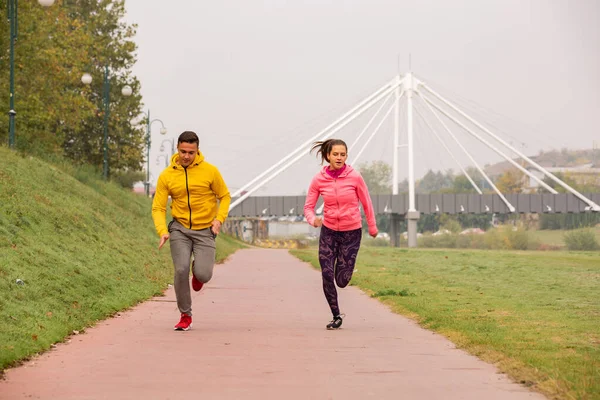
[348, 250]
[328, 253]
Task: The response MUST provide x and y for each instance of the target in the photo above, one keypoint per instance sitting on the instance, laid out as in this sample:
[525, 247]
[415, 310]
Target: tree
[112, 46]
[462, 184]
[510, 182]
[49, 54]
[377, 176]
[586, 183]
[56, 113]
[435, 182]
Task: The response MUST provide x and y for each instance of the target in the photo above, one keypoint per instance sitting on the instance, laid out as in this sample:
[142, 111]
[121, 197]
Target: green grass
[556, 237]
[534, 314]
[83, 250]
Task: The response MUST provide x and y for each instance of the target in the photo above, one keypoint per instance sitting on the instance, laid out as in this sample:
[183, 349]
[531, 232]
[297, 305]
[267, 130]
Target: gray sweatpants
[184, 243]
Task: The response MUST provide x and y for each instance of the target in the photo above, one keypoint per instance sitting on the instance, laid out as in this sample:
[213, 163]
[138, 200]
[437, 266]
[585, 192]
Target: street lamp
[14, 25]
[162, 156]
[169, 141]
[125, 91]
[163, 131]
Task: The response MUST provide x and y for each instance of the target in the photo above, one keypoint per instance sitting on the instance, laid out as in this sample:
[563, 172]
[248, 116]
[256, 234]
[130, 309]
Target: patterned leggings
[337, 256]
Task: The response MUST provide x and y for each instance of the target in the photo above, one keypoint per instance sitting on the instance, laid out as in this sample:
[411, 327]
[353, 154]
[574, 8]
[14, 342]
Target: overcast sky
[255, 79]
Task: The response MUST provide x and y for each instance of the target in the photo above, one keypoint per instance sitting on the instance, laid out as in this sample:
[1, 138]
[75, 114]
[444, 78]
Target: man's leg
[181, 252]
[350, 243]
[328, 249]
[204, 248]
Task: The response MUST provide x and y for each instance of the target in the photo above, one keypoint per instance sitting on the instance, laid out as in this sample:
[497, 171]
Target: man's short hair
[188, 137]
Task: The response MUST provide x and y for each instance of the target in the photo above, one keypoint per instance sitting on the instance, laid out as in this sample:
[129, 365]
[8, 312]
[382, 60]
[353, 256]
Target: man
[194, 186]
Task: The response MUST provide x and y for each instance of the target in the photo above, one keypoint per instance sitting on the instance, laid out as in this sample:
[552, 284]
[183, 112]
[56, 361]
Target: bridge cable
[481, 171]
[384, 89]
[449, 151]
[591, 204]
[349, 117]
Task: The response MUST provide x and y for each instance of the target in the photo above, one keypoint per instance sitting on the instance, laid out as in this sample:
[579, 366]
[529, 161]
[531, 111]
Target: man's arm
[220, 190]
[159, 207]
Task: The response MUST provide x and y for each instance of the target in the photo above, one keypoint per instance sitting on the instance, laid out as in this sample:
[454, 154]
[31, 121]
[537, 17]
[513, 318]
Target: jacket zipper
[188, 195]
[337, 201]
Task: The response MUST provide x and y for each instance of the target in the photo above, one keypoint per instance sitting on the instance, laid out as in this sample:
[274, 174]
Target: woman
[342, 188]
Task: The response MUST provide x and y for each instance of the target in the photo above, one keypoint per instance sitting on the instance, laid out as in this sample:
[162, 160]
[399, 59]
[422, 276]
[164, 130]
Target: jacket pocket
[354, 214]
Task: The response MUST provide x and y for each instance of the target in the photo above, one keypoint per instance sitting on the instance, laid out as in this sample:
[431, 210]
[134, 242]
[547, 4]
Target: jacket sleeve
[365, 199]
[311, 200]
[159, 207]
[220, 190]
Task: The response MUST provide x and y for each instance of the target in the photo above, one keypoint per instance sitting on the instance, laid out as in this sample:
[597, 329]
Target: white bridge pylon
[409, 87]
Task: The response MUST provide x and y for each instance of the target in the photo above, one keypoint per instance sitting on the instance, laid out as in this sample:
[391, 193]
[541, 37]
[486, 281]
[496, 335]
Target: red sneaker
[185, 323]
[196, 284]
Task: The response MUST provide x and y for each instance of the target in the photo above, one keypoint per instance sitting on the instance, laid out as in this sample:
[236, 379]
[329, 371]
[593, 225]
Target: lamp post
[163, 131]
[14, 28]
[162, 156]
[125, 91]
[171, 142]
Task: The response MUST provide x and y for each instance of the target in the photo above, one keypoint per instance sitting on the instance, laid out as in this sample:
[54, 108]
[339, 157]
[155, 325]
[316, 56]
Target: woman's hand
[373, 231]
[318, 222]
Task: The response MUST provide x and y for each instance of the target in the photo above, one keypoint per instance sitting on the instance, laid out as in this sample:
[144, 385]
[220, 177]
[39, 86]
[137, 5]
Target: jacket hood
[347, 171]
[175, 160]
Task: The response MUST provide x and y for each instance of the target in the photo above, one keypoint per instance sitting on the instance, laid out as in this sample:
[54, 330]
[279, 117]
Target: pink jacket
[341, 197]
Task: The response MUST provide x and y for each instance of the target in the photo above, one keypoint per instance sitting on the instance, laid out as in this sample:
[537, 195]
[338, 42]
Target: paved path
[259, 334]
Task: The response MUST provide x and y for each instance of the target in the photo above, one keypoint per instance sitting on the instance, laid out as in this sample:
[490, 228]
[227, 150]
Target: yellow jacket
[194, 192]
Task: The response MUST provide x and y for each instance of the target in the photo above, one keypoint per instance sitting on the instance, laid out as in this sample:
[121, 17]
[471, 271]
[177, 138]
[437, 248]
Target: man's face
[187, 153]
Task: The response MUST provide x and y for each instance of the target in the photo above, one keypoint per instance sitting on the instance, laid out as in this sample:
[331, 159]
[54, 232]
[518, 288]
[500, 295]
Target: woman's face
[337, 156]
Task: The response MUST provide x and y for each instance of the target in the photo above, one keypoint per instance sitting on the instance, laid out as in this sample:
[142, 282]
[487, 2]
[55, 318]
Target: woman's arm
[363, 195]
[311, 200]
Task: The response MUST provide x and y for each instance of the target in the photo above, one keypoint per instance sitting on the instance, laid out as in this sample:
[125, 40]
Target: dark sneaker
[185, 323]
[336, 323]
[196, 284]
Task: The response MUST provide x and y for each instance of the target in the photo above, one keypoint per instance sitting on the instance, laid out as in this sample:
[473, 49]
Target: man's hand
[216, 227]
[318, 222]
[163, 240]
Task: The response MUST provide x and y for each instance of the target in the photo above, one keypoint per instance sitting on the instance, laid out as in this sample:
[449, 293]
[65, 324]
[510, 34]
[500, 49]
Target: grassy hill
[81, 248]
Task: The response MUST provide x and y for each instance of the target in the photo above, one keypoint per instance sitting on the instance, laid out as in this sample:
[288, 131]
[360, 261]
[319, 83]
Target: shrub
[376, 242]
[447, 241]
[516, 240]
[128, 178]
[568, 221]
[495, 239]
[464, 241]
[581, 239]
[450, 223]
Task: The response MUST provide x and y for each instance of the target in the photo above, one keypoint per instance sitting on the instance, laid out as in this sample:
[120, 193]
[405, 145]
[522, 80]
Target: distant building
[578, 173]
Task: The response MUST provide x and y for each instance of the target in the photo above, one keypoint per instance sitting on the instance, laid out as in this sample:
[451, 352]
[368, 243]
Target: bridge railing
[264, 206]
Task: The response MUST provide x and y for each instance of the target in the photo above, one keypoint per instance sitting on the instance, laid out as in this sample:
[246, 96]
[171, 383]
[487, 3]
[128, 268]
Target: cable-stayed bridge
[407, 91]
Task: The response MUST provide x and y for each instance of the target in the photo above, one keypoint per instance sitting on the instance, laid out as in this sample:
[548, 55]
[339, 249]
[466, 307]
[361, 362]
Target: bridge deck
[259, 334]
[428, 204]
